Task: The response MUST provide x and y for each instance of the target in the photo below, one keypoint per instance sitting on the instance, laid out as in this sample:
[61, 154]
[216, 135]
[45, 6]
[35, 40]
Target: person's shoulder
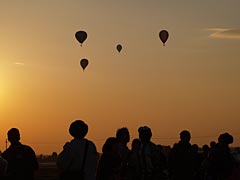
[27, 148]
[3, 161]
[176, 147]
[90, 143]
[6, 153]
[152, 145]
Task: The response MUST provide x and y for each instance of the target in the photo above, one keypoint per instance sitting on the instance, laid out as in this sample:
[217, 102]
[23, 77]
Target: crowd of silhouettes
[143, 161]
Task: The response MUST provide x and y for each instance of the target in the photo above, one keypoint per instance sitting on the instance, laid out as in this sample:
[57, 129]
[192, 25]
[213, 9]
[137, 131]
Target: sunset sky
[191, 83]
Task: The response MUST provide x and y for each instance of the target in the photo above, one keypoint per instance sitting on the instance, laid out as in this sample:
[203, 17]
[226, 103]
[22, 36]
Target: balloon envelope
[119, 47]
[163, 35]
[84, 63]
[81, 36]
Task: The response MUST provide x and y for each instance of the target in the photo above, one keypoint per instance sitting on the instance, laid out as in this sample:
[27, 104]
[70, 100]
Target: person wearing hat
[79, 156]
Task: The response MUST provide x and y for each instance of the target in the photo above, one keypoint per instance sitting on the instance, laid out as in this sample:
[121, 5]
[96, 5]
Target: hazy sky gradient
[192, 83]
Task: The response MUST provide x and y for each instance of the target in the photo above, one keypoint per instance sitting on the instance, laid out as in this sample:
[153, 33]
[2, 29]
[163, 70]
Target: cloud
[19, 63]
[221, 33]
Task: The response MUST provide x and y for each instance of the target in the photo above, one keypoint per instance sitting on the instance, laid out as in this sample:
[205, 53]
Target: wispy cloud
[19, 63]
[222, 33]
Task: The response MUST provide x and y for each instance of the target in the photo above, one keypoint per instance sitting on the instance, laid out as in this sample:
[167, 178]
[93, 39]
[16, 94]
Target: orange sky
[191, 83]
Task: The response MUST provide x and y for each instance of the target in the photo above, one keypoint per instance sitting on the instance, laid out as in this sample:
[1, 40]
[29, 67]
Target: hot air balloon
[119, 47]
[163, 35]
[84, 63]
[81, 36]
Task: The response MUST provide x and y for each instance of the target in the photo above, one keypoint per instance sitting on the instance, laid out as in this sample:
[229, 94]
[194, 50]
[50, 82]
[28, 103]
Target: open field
[47, 171]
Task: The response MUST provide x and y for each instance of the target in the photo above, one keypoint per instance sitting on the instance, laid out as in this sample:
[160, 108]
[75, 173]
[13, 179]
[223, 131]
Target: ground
[47, 171]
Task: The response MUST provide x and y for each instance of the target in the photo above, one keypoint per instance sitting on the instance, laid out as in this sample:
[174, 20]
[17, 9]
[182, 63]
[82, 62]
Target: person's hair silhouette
[78, 129]
[123, 135]
[185, 136]
[225, 139]
[145, 134]
[13, 136]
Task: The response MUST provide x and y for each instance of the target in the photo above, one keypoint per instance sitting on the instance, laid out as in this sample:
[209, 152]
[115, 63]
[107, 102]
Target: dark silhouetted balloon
[119, 47]
[81, 36]
[84, 63]
[163, 36]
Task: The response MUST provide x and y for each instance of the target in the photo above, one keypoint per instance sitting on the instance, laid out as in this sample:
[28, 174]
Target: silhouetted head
[225, 139]
[78, 129]
[195, 148]
[174, 145]
[13, 135]
[111, 145]
[123, 135]
[145, 134]
[212, 144]
[205, 149]
[159, 147]
[185, 136]
[136, 145]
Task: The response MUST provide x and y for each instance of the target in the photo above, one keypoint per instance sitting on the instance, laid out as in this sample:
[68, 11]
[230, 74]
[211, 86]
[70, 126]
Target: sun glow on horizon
[3, 93]
[192, 83]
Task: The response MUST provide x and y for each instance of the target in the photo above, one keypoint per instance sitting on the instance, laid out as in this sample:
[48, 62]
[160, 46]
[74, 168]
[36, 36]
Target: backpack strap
[85, 155]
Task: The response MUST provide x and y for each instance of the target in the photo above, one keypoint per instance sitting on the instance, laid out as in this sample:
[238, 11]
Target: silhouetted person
[162, 156]
[110, 162]
[22, 161]
[151, 164]
[205, 162]
[197, 161]
[212, 144]
[206, 150]
[135, 161]
[3, 167]
[182, 165]
[79, 156]
[221, 161]
[123, 137]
